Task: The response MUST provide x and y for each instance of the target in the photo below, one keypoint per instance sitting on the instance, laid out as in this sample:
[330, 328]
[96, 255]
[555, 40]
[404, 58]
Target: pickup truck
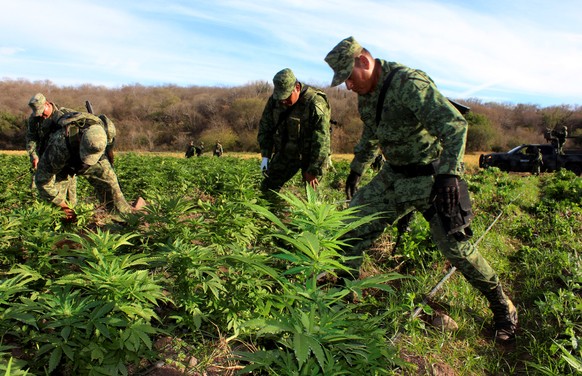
[521, 159]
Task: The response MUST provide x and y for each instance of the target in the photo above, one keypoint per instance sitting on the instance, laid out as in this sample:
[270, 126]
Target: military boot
[504, 315]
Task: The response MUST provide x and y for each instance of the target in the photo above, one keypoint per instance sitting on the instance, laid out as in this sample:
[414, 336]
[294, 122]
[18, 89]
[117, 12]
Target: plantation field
[210, 280]
[471, 159]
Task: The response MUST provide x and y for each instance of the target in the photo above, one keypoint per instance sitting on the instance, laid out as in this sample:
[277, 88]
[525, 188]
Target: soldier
[78, 148]
[293, 133]
[218, 149]
[561, 136]
[536, 159]
[41, 123]
[422, 136]
[200, 149]
[190, 150]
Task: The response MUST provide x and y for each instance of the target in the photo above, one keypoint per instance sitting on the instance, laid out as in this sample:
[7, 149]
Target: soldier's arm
[53, 161]
[320, 136]
[32, 138]
[441, 119]
[267, 129]
[366, 149]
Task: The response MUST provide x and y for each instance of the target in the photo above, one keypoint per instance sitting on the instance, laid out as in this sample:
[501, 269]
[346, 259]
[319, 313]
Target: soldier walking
[422, 137]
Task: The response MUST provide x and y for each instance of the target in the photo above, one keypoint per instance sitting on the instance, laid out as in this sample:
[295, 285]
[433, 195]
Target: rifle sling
[383, 91]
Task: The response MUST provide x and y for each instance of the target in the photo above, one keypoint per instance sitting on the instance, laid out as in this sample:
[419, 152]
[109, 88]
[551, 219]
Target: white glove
[264, 163]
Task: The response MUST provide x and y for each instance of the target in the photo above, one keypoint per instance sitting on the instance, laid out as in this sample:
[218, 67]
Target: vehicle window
[515, 149]
[547, 150]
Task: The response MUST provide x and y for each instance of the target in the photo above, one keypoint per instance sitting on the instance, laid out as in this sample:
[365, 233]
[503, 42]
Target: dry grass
[471, 159]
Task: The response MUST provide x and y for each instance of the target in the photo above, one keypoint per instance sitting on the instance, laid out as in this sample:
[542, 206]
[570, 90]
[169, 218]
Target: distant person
[561, 136]
[41, 123]
[218, 150]
[190, 150]
[536, 159]
[200, 149]
[293, 133]
[78, 148]
[422, 136]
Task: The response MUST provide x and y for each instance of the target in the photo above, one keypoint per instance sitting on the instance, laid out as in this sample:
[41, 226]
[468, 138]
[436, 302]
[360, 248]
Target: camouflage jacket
[300, 132]
[418, 124]
[38, 131]
[61, 158]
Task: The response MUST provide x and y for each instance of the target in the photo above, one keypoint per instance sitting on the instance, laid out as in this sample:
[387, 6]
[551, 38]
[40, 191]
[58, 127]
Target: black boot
[504, 315]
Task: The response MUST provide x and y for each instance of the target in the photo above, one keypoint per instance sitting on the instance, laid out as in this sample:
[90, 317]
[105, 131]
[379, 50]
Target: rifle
[109, 148]
[460, 107]
[89, 107]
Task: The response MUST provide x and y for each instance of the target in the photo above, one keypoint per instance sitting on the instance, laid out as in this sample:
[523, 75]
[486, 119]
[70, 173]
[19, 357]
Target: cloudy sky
[508, 51]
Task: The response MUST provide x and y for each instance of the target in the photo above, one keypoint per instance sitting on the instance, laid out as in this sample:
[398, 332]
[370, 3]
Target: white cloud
[508, 49]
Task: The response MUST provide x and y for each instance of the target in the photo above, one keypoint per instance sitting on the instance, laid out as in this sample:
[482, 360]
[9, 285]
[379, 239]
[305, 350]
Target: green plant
[320, 332]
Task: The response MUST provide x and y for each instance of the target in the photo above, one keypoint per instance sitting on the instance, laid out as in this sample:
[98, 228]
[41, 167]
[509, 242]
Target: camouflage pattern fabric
[418, 125]
[301, 141]
[394, 196]
[284, 83]
[53, 167]
[341, 59]
[38, 131]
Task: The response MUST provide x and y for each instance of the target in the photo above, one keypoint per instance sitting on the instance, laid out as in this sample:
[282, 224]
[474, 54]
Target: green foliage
[481, 134]
[9, 123]
[319, 331]
[207, 262]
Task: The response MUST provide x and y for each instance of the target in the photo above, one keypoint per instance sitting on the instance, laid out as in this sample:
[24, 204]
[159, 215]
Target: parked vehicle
[522, 159]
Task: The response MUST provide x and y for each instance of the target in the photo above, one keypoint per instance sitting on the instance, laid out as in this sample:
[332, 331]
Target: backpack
[75, 121]
[74, 124]
[109, 129]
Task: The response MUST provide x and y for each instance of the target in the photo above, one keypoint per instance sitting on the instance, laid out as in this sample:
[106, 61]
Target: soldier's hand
[352, 184]
[446, 194]
[311, 179]
[34, 163]
[70, 215]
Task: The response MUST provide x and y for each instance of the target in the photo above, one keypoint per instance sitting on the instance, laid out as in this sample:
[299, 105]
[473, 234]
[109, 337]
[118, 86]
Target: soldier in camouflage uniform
[293, 133]
[422, 136]
[78, 148]
[41, 123]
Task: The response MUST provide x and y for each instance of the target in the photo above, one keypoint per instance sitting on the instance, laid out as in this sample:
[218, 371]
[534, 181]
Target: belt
[416, 169]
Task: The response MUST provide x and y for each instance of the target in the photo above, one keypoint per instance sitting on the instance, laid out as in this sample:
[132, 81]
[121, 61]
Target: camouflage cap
[93, 144]
[37, 103]
[284, 82]
[341, 59]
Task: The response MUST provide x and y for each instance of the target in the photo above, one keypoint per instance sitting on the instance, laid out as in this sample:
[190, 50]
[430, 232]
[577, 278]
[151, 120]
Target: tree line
[168, 117]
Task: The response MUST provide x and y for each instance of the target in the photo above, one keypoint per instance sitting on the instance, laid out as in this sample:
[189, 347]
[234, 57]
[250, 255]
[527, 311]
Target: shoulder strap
[383, 91]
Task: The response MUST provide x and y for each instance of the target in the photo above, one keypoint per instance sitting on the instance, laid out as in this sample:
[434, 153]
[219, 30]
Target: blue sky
[504, 51]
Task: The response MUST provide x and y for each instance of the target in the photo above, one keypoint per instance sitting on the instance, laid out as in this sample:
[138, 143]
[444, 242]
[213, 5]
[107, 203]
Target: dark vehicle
[522, 159]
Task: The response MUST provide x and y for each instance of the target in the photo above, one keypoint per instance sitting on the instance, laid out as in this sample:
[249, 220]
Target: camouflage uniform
[418, 127]
[190, 150]
[218, 150]
[295, 138]
[83, 154]
[38, 131]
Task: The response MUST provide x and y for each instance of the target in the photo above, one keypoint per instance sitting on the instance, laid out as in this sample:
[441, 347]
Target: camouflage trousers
[67, 187]
[103, 178]
[281, 169]
[394, 196]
